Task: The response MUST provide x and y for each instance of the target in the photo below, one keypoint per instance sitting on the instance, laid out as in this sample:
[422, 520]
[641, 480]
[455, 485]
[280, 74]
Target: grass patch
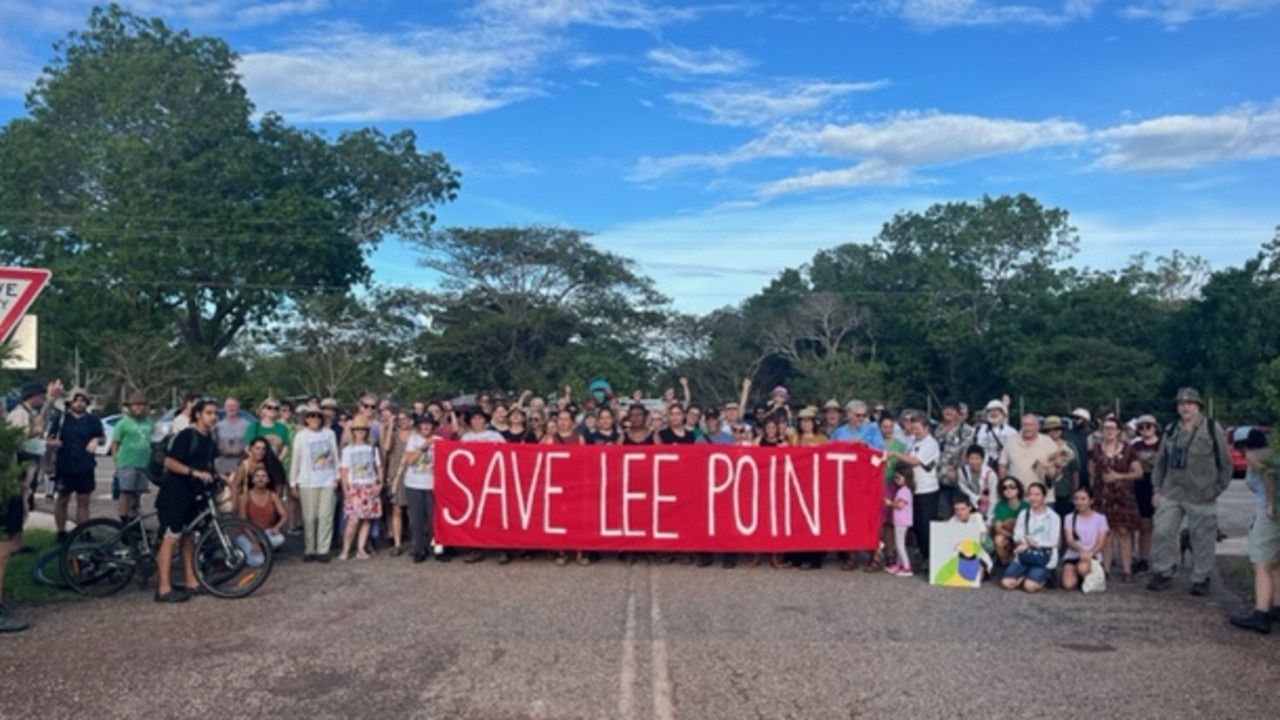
[1237, 575]
[19, 586]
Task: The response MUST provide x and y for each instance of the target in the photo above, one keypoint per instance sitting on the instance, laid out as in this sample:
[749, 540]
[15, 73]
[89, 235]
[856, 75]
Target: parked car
[108, 427]
[1235, 435]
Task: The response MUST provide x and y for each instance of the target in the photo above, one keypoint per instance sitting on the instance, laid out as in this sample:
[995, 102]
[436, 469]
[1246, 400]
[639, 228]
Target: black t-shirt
[527, 437]
[595, 437]
[669, 437]
[628, 440]
[194, 450]
[75, 434]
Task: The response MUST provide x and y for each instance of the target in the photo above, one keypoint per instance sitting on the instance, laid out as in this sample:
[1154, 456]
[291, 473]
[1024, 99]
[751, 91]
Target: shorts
[1037, 575]
[133, 480]
[177, 505]
[78, 483]
[15, 515]
[1143, 492]
[1264, 539]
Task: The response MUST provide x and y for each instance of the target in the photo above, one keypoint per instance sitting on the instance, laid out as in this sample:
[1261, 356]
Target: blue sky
[719, 142]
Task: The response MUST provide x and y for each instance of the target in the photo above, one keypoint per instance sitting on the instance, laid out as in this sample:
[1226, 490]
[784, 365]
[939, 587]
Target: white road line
[627, 675]
[662, 708]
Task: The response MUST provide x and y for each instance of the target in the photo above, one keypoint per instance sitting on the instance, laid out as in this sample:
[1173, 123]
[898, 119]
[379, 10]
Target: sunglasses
[859, 415]
[272, 408]
[367, 405]
[1008, 487]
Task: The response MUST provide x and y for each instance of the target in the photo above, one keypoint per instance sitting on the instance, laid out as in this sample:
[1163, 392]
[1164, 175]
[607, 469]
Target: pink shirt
[902, 515]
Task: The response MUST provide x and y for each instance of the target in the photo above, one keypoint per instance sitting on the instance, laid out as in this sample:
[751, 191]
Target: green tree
[142, 181]
[536, 307]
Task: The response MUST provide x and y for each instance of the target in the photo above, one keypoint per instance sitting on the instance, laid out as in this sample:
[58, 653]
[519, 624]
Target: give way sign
[18, 289]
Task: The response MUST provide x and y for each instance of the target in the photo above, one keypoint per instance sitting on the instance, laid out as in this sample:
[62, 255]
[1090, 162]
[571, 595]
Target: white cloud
[65, 15]
[747, 104]
[1180, 142]
[346, 75]
[931, 14]
[885, 151]
[1177, 12]
[872, 173]
[675, 60]
[616, 14]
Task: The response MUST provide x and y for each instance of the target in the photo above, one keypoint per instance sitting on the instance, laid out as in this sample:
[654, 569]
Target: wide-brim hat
[136, 398]
[79, 392]
[1083, 414]
[1147, 420]
[307, 410]
[996, 405]
[809, 412]
[1053, 422]
[1190, 394]
[360, 422]
[30, 390]
[328, 404]
[831, 405]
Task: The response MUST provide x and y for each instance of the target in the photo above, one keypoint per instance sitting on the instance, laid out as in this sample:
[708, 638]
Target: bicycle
[233, 558]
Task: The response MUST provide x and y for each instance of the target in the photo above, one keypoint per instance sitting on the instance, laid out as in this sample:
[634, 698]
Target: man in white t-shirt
[922, 457]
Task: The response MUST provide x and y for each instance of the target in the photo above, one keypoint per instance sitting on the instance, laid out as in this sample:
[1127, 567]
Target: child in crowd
[962, 512]
[901, 518]
[361, 475]
[1087, 534]
[976, 479]
[1004, 517]
[261, 506]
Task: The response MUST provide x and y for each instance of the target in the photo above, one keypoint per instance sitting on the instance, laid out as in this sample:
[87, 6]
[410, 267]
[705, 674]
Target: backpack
[155, 464]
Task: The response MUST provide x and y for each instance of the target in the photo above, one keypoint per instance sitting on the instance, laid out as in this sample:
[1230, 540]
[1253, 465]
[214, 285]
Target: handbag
[1096, 580]
[1034, 557]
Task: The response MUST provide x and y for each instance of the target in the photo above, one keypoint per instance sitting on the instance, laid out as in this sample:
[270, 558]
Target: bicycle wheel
[47, 570]
[235, 562]
[96, 560]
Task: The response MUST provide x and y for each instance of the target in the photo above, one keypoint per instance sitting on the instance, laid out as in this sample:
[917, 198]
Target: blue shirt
[1253, 481]
[866, 433]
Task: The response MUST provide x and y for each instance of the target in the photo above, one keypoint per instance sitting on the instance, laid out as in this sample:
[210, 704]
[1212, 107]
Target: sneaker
[903, 571]
[1257, 621]
[1160, 582]
[1200, 588]
[10, 624]
[892, 569]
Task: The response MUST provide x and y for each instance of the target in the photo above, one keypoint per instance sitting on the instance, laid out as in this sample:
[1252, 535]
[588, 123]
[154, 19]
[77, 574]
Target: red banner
[703, 498]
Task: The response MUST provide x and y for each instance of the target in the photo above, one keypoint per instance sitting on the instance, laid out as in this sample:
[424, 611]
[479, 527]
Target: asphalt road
[387, 638]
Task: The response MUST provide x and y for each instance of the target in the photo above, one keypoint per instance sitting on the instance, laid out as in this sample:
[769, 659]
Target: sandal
[850, 563]
[754, 561]
[778, 563]
[397, 551]
[875, 565]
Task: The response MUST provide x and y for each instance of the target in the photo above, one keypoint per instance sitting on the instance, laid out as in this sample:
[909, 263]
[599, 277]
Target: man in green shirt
[131, 447]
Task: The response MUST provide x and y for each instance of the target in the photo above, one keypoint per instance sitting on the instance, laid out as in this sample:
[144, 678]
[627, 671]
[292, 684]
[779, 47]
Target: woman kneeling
[1087, 533]
[1036, 534]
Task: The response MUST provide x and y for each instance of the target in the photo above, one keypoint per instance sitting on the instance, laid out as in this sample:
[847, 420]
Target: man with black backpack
[1192, 469]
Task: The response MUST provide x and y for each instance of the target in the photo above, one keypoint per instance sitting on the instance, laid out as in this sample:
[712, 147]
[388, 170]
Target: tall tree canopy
[141, 179]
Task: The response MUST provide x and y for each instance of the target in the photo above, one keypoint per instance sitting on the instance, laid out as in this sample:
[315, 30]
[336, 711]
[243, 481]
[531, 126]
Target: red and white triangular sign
[19, 287]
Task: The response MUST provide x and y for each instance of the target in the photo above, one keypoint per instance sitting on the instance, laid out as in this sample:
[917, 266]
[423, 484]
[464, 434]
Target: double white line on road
[660, 673]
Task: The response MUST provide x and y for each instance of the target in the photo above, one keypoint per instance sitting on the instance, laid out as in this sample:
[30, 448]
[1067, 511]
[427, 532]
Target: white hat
[995, 405]
[1082, 413]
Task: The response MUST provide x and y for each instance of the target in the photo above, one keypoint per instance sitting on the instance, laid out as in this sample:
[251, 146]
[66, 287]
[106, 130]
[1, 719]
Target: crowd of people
[1058, 500]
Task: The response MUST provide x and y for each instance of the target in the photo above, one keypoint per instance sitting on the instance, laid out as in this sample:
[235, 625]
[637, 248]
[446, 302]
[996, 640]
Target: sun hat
[808, 412]
[1083, 414]
[1053, 422]
[309, 409]
[1190, 394]
[995, 405]
[360, 422]
[329, 404]
[831, 404]
[1147, 420]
